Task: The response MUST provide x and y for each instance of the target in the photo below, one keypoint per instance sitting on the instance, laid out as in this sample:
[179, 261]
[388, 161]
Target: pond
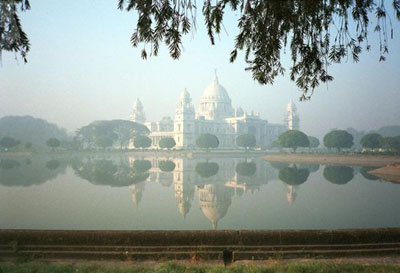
[178, 193]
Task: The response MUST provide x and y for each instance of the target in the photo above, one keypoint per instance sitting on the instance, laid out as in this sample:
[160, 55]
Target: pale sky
[82, 68]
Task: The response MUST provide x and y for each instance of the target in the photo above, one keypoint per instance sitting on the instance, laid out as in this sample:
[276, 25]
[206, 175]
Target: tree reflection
[207, 169]
[339, 175]
[364, 172]
[105, 172]
[52, 164]
[312, 168]
[141, 165]
[28, 172]
[246, 168]
[166, 165]
[294, 176]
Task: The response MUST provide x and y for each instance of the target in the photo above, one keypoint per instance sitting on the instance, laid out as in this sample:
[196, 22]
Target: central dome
[215, 103]
[215, 91]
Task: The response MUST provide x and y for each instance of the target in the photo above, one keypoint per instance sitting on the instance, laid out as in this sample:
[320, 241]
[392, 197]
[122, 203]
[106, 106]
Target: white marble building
[215, 115]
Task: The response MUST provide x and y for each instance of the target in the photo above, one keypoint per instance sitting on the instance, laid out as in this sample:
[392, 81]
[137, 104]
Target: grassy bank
[180, 268]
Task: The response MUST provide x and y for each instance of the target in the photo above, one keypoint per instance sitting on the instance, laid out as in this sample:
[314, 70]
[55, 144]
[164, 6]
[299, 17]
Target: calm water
[181, 193]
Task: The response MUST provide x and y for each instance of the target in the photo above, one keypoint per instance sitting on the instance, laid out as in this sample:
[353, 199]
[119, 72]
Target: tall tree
[293, 139]
[314, 142]
[246, 141]
[338, 139]
[142, 142]
[207, 141]
[371, 141]
[167, 142]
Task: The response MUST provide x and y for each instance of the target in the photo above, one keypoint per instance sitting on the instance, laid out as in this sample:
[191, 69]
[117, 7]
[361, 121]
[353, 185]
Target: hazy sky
[82, 67]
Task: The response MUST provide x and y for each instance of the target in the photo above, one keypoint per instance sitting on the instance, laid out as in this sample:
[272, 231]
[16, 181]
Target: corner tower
[292, 117]
[137, 114]
[184, 122]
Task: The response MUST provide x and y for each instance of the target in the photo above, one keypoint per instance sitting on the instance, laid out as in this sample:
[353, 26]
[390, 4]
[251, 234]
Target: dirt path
[331, 159]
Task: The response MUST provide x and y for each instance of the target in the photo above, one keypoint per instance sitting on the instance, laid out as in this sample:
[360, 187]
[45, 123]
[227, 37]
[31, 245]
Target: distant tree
[166, 165]
[338, 174]
[293, 176]
[314, 142]
[120, 131]
[392, 143]
[357, 136]
[293, 139]
[142, 142]
[207, 141]
[390, 131]
[338, 139]
[28, 145]
[246, 168]
[9, 142]
[371, 141]
[207, 169]
[246, 141]
[53, 143]
[167, 142]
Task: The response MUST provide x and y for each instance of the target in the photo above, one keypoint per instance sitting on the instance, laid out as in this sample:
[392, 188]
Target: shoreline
[332, 159]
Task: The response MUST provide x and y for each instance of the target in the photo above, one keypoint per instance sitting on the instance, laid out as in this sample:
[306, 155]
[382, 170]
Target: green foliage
[12, 37]
[338, 139]
[293, 176]
[52, 164]
[207, 169]
[28, 145]
[246, 141]
[207, 141]
[29, 129]
[293, 139]
[141, 165]
[9, 142]
[142, 142]
[338, 174]
[166, 165]
[314, 142]
[316, 33]
[53, 143]
[392, 143]
[371, 141]
[246, 168]
[167, 142]
[101, 133]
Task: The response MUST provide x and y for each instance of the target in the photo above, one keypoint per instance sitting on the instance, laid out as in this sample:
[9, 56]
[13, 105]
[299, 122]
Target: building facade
[215, 115]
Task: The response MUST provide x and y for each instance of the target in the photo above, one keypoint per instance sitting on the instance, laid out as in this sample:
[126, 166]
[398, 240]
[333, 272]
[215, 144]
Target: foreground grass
[312, 267]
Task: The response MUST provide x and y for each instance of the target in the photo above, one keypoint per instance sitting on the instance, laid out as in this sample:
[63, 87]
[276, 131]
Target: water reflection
[28, 172]
[364, 172]
[106, 172]
[211, 185]
[339, 175]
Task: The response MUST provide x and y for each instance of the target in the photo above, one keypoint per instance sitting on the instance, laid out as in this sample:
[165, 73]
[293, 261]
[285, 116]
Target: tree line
[124, 134]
